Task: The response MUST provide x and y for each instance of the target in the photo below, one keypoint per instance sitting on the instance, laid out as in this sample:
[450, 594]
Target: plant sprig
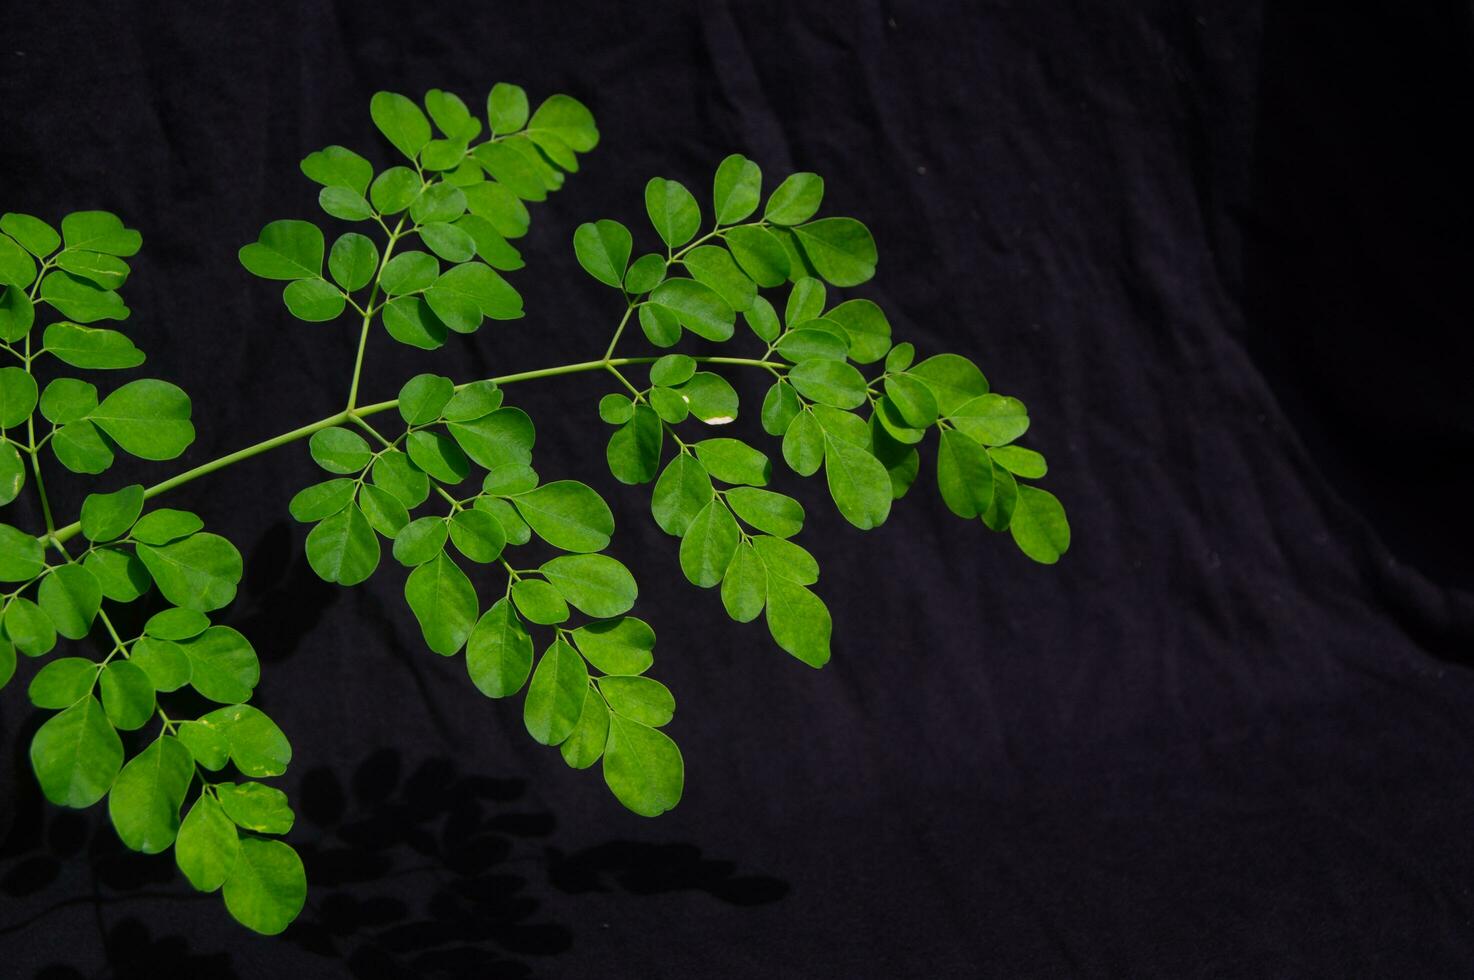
[500, 563]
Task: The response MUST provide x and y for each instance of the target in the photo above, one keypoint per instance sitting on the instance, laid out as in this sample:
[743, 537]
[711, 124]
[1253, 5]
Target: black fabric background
[1222, 250]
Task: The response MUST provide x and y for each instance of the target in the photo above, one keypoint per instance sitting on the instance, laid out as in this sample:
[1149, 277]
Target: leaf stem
[338, 418]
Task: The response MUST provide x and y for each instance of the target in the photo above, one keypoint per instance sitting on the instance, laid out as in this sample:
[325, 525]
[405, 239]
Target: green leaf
[708, 544]
[913, 399]
[311, 504]
[422, 397]
[127, 695]
[670, 405]
[144, 802]
[603, 249]
[28, 627]
[1020, 461]
[827, 382]
[21, 555]
[555, 696]
[438, 203]
[813, 342]
[585, 745]
[639, 699]
[858, 482]
[615, 408]
[659, 325]
[595, 585]
[1039, 526]
[122, 576]
[964, 475]
[207, 845]
[672, 369]
[176, 624]
[795, 200]
[339, 450]
[39, 238]
[91, 347]
[900, 357]
[67, 400]
[644, 274]
[737, 189]
[409, 272]
[17, 397]
[410, 320]
[206, 742]
[17, 314]
[343, 547]
[566, 119]
[17, 268]
[745, 584]
[697, 307]
[673, 211]
[166, 524]
[540, 602]
[499, 652]
[504, 437]
[314, 300]
[223, 665]
[567, 515]
[257, 746]
[841, 249]
[805, 301]
[775, 513]
[167, 667]
[514, 169]
[868, 329]
[634, 448]
[467, 292]
[799, 621]
[285, 249]
[76, 755]
[104, 271]
[991, 419]
[99, 231]
[420, 540]
[1005, 500]
[617, 646]
[266, 886]
[734, 461]
[198, 572]
[760, 254]
[780, 407]
[438, 455]
[953, 379]
[401, 122]
[506, 108]
[714, 266]
[382, 510]
[256, 807]
[473, 401]
[345, 204]
[478, 535]
[683, 489]
[62, 683]
[803, 445]
[511, 478]
[12, 473]
[643, 768]
[337, 166]
[395, 472]
[451, 243]
[444, 602]
[71, 596]
[147, 418]
[7, 661]
[394, 190]
[353, 261]
[451, 115]
[490, 244]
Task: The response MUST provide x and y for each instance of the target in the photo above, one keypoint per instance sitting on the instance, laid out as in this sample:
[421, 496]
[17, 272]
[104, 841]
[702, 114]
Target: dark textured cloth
[1221, 250]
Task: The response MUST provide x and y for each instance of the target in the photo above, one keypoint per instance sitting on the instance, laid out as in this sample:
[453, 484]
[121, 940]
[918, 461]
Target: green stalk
[338, 418]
